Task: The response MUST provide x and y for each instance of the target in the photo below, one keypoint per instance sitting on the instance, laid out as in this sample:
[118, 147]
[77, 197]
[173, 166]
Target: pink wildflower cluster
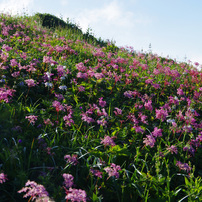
[58, 106]
[73, 194]
[68, 118]
[172, 149]
[101, 102]
[117, 111]
[108, 141]
[33, 190]
[3, 178]
[71, 159]
[183, 166]
[149, 140]
[68, 180]
[96, 173]
[86, 117]
[30, 82]
[31, 119]
[5, 94]
[76, 195]
[113, 170]
[161, 114]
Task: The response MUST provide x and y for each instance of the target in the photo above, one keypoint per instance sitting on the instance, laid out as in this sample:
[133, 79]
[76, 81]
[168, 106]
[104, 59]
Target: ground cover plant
[83, 122]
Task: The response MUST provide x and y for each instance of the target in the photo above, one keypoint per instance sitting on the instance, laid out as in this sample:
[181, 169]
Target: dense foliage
[83, 122]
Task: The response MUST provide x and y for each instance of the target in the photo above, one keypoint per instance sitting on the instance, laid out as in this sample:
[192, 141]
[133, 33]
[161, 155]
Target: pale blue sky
[173, 27]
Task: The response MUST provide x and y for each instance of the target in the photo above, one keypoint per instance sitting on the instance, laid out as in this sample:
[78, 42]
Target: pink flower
[149, 140]
[113, 170]
[68, 119]
[80, 66]
[101, 102]
[180, 91]
[108, 141]
[5, 94]
[31, 119]
[13, 63]
[81, 88]
[157, 132]
[148, 105]
[172, 149]
[76, 195]
[3, 178]
[102, 122]
[96, 173]
[48, 122]
[138, 129]
[183, 166]
[33, 190]
[68, 180]
[58, 106]
[30, 82]
[118, 111]
[71, 159]
[161, 114]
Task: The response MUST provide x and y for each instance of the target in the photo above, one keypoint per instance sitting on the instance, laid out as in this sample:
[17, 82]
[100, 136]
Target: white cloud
[15, 6]
[111, 14]
[64, 2]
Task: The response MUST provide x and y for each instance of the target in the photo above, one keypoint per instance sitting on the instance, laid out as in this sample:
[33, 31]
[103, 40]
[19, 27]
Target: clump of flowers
[183, 166]
[73, 194]
[30, 82]
[76, 195]
[3, 178]
[68, 180]
[113, 170]
[71, 159]
[108, 141]
[31, 119]
[33, 190]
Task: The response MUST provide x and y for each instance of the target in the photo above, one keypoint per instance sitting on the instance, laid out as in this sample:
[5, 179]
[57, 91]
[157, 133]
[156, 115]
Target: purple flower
[81, 88]
[31, 119]
[30, 82]
[101, 102]
[102, 122]
[183, 166]
[148, 105]
[71, 159]
[76, 195]
[96, 173]
[149, 140]
[180, 91]
[113, 170]
[13, 62]
[33, 190]
[68, 180]
[157, 132]
[138, 129]
[108, 141]
[161, 114]
[86, 118]
[80, 66]
[172, 149]
[118, 111]
[58, 106]
[3, 178]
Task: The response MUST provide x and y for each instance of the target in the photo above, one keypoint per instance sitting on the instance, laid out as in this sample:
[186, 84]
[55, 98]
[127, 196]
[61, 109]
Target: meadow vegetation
[84, 120]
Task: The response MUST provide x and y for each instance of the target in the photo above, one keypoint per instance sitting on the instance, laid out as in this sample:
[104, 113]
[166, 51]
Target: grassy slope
[126, 80]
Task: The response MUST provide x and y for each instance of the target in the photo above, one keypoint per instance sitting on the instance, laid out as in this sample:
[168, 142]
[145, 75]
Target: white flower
[62, 78]
[47, 84]
[63, 87]
[170, 120]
